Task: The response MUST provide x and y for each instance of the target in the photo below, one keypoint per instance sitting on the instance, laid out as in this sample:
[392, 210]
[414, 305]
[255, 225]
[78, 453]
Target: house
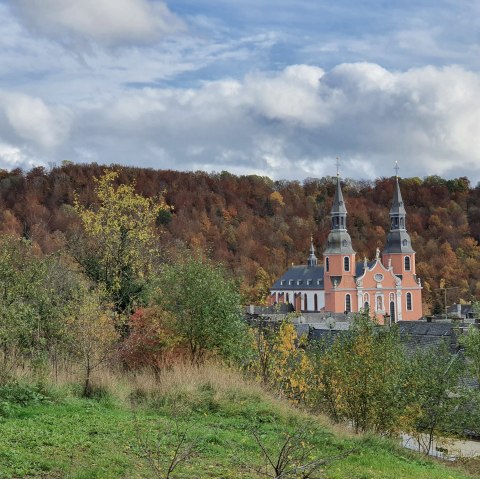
[387, 286]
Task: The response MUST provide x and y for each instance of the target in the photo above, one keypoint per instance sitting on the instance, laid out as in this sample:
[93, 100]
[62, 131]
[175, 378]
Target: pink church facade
[386, 287]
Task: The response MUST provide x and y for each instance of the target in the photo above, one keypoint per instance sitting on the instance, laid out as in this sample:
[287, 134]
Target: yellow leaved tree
[118, 246]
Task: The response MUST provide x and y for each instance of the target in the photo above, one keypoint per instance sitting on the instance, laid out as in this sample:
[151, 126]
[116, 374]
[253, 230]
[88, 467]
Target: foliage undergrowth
[55, 433]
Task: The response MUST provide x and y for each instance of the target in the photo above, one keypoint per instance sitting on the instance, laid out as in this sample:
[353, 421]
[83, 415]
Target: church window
[402, 224]
[379, 304]
[344, 243]
[315, 301]
[407, 263]
[346, 263]
[405, 242]
[341, 220]
[305, 302]
[409, 302]
[348, 303]
[366, 298]
[327, 264]
[288, 298]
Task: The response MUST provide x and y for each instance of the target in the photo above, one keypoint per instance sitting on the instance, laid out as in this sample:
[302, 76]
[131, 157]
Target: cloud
[293, 123]
[30, 121]
[107, 22]
[286, 124]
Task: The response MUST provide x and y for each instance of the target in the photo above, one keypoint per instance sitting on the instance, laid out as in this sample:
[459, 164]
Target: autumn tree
[92, 332]
[152, 341]
[119, 242]
[278, 357]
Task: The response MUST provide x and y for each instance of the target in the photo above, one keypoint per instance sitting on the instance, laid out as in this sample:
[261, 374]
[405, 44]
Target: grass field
[50, 432]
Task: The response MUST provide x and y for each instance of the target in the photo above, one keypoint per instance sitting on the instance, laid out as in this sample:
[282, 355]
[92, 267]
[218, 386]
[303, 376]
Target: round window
[378, 277]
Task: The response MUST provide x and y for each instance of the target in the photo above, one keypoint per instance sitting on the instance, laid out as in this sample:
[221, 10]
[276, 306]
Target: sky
[277, 88]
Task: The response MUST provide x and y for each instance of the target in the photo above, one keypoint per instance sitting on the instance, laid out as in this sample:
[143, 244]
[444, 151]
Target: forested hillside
[258, 227]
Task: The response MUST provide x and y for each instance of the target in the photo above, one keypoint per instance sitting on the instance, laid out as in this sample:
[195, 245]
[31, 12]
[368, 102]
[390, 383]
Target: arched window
[407, 263]
[402, 224]
[348, 303]
[392, 311]
[315, 301]
[409, 302]
[288, 298]
[327, 265]
[366, 298]
[379, 303]
[346, 263]
[305, 302]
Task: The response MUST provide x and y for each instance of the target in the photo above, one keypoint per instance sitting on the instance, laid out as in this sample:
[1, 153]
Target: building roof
[338, 206]
[397, 204]
[304, 274]
[420, 334]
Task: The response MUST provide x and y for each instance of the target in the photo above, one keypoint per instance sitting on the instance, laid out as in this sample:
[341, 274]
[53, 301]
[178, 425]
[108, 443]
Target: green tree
[433, 393]
[471, 342]
[120, 243]
[35, 297]
[206, 306]
[359, 376]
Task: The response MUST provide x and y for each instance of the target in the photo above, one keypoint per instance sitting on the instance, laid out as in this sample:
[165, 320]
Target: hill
[49, 432]
[257, 227]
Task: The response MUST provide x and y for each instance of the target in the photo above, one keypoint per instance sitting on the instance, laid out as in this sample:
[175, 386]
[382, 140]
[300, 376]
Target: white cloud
[31, 121]
[287, 124]
[109, 22]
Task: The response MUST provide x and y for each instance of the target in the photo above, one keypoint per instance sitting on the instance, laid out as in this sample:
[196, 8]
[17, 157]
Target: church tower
[312, 259]
[398, 250]
[399, 257]
[339, 260]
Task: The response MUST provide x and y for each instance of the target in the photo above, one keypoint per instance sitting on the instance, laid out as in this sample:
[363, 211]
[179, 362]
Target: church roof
[397, 204]
[310, 277]
[300, 277]
[338, 206]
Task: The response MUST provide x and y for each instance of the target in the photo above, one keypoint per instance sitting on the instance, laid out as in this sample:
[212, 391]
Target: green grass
[74, 438]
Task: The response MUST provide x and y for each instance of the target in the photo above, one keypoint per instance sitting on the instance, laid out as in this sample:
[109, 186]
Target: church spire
[312, 259]
[398, 240]
[339, 240]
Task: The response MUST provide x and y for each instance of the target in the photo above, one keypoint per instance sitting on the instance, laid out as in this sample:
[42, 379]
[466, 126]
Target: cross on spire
[337, 161]
[396, 168]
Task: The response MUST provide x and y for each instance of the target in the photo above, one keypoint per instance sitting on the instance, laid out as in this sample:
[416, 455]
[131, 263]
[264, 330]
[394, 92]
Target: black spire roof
[339, 240]
[312, 259]
[398, 240]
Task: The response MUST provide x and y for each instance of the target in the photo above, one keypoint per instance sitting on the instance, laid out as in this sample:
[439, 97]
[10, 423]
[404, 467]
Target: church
[387, 286]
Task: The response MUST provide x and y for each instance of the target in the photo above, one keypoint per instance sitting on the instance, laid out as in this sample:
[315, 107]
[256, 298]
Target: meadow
[131, 427]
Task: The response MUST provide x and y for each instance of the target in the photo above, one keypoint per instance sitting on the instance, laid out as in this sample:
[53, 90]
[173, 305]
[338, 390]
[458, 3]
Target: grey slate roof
[397, 204]
[301, 273]
[420, 334]
[338, 206]
[304, 273]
